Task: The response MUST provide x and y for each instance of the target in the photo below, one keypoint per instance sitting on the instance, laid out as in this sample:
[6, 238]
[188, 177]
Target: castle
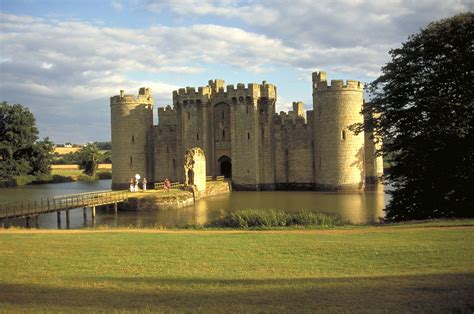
[244, 139]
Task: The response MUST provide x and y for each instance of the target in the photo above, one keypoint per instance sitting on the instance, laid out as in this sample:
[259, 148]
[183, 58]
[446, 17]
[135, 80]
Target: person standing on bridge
[132, 185]
[167, 185]
[144, 184]
[135, 185]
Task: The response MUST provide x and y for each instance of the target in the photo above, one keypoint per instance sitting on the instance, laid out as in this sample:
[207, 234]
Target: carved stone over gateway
[195, 168]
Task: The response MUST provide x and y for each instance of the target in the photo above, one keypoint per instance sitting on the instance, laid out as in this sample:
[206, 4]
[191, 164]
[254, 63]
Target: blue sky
[63, 59]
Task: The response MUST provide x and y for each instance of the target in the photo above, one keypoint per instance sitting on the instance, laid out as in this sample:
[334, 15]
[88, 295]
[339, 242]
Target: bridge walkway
[32, 208]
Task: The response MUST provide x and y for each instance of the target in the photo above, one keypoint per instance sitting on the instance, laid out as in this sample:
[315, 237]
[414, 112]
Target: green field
[73, 172]
[414, 267]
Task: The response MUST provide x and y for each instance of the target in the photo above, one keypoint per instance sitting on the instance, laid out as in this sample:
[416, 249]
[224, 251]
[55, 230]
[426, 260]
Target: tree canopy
[423, 106]
[88, 159]
[20, 151]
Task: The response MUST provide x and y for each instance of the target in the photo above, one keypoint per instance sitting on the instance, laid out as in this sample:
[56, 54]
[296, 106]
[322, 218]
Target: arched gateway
[225, 166]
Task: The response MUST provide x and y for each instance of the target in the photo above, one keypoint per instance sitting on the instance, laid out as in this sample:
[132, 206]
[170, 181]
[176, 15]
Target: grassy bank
[75, 174]
[416, 267]
[58, 175]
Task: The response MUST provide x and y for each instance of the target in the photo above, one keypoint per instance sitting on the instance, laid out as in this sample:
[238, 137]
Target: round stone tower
[338, 153]
[132, 121]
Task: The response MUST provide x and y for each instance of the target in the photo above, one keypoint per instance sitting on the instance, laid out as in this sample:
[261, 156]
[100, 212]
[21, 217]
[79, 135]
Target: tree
[20, 153]
[88, 159]
[103, 145]
[422, 105]
[41, 157]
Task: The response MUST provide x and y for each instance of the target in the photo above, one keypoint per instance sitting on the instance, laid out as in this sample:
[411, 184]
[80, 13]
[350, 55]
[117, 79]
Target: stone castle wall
[132, 120]
[238, 124]
[339, 154]
[293, 154]
[165, 145]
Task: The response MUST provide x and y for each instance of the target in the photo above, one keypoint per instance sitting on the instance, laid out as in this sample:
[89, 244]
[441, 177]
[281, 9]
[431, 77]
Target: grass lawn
[415, 267]
[73, 172]
[67, 172]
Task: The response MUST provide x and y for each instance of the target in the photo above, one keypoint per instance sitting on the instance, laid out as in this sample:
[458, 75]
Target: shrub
[23, 180]
[104, 175]
[261, 218]
[57, 178]
[86, 178]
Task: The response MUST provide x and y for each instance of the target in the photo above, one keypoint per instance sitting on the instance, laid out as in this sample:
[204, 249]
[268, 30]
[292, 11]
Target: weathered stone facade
[243, 137]
[194, 170]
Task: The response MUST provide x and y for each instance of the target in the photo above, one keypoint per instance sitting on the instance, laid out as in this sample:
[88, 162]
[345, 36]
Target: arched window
[131, 160]
[189, 116]
[223, 135]
[133, 138]
[248, 135]
[343, 135]
[197, 136]
[247, 109]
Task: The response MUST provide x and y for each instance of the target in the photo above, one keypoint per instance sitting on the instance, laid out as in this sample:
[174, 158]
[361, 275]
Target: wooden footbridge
[33, 208]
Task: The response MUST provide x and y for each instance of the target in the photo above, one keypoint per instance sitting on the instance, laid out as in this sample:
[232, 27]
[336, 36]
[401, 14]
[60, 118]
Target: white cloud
[323, 26]
[46, 65]
[64, 69]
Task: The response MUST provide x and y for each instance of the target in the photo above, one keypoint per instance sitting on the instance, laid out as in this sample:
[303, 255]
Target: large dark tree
[20, 152]
[423, 106]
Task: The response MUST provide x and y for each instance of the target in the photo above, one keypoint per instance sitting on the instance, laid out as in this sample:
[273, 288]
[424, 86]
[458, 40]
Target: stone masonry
[244, 139]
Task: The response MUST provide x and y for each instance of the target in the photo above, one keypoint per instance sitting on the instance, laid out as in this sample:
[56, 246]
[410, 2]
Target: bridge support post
[115, 207]
[93, 216]
[68, 223]
[84, 213]
[28, 221]
[37, 221]
[58, 214]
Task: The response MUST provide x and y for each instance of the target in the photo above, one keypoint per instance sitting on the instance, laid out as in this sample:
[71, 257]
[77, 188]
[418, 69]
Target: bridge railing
[58, 203]
[173, 185]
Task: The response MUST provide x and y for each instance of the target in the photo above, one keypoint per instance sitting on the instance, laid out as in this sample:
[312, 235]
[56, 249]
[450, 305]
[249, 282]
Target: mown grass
[383, 269]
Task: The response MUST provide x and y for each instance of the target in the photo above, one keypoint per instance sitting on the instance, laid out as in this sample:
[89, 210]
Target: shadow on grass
[432, 293]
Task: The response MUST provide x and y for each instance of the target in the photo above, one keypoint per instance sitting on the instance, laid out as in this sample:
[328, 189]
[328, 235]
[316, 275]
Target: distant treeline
[100, 145]
[73, 158]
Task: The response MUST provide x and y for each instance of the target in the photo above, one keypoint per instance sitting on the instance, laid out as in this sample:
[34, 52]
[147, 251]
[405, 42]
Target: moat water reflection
[355, 207]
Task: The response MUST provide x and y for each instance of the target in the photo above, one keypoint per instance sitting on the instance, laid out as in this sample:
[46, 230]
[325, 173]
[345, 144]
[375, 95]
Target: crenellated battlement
[252, 90]
[320, 84]
[144, 97]
[297, 114]
[166, 116]
[190, 94]
[217, 89]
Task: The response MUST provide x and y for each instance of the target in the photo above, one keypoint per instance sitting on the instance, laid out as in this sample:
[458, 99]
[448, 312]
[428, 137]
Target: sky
[64, 59]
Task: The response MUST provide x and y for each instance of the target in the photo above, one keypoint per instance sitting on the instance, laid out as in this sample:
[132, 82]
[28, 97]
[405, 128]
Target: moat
[355, 207]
